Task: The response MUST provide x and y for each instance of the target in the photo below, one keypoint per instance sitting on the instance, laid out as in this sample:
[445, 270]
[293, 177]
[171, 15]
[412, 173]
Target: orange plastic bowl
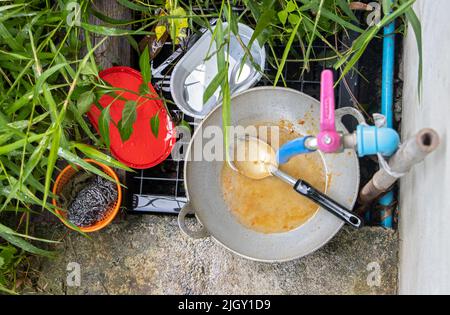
[62, 179]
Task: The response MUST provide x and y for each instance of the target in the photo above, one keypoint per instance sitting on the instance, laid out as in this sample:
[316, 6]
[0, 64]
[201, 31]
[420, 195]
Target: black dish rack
[161, 189]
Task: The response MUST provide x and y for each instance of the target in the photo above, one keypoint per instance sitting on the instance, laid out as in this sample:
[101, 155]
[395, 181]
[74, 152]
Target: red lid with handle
[142, 150]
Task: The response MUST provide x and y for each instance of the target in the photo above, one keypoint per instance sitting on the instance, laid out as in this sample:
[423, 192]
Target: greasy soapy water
[269, 205]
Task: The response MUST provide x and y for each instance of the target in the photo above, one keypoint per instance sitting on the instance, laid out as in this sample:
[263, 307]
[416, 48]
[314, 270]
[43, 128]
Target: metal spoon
[256, 159]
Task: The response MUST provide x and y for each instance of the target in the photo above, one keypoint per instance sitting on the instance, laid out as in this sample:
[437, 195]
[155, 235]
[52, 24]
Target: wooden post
[115, 50]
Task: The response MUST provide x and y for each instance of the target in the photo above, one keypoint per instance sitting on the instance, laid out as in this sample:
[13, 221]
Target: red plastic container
[142, 150]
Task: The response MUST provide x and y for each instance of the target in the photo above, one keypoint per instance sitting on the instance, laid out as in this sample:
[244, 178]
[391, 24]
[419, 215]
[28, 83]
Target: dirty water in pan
[270, 205]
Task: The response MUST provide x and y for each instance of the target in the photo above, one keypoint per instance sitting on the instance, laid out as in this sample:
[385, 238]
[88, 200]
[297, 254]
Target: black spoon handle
[327, 203]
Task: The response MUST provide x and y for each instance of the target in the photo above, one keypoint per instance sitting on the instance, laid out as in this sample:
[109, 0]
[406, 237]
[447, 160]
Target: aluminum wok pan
[204, 188]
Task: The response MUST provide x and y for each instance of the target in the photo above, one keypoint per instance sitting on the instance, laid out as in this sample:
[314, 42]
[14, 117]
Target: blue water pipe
[387, 85]
[387, 101]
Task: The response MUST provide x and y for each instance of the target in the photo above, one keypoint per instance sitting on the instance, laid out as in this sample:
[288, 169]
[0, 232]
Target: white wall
[425, 192]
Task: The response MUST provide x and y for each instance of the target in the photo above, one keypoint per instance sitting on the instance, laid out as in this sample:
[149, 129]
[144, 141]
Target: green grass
[42, 74]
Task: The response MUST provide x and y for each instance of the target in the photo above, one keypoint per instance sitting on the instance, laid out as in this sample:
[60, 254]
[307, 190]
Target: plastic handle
[329, 140]
[291, 149]
[327, 104]
[328, 204]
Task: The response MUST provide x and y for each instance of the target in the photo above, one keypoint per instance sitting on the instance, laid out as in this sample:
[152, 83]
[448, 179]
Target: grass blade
[110, 31]
[417, 28]
[129, 116]
[154, 124]
[72, 158]
[144, 64]
[267, 17]
[103, 124]
[52, 157]
[286, 51]
[214, 85]
[94, 154]
[9, 235]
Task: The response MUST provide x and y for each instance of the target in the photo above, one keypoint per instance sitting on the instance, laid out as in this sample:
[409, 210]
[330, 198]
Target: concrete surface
[149, 255]
[425, 198]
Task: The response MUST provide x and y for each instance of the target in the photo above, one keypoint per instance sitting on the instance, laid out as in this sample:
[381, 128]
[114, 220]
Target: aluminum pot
[204, 189]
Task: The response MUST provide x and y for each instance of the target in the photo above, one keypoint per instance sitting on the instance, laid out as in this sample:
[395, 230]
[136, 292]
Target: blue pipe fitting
[372, 140]
[292, 148]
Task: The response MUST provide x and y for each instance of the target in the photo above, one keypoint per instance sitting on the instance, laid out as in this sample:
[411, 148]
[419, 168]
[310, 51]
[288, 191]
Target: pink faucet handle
[328, 139]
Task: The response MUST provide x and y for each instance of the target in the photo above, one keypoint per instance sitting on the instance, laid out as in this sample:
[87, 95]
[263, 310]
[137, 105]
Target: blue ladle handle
[292, 148]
